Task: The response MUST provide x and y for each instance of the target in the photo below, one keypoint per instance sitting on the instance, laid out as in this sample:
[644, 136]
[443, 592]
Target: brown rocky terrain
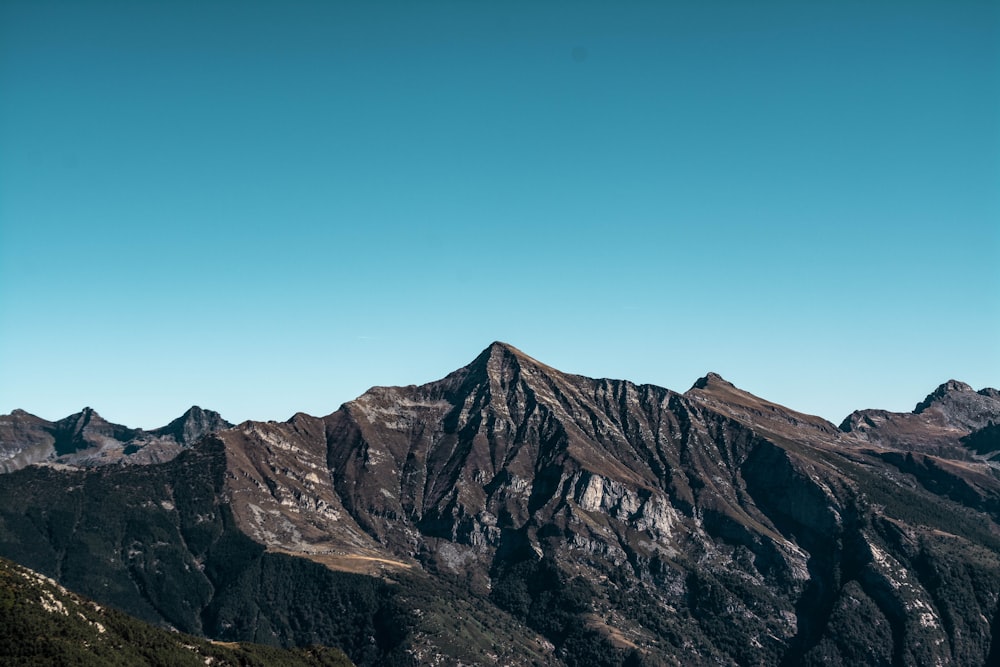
[596, 521]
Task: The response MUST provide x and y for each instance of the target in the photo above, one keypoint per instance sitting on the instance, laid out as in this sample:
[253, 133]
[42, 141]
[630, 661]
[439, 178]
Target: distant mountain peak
[79, 420]
[711, 379]
[195, 412]
[954, 385]
[943, 390]
[193, 424]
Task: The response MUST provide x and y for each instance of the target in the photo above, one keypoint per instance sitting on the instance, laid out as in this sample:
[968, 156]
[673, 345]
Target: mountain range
[87, 439]
[511, 513]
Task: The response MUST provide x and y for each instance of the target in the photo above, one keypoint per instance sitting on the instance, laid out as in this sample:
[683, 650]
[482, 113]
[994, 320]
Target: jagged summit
[193, 424]
[499, 366]
[499, 355]
[939, 423]
[943, 390]
[82, 417]
[86, 439]
[498, 346]
[498, 360]
[711, 379]
[713, 384]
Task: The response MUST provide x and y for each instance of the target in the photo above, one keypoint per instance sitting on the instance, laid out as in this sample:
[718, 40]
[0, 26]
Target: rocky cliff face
[613, 523]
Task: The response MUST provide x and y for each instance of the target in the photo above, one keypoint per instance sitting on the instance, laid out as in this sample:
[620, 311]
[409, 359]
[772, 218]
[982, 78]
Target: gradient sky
[267, 207]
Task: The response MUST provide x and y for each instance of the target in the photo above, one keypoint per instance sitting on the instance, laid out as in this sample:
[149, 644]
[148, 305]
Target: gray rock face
[624, 520]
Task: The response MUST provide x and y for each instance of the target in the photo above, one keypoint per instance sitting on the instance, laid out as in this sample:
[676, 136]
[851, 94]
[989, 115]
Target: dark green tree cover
[42, 624]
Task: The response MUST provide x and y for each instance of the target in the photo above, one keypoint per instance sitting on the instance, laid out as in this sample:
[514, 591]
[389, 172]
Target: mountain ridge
[494, 351]
[595, 517]
[86, 438]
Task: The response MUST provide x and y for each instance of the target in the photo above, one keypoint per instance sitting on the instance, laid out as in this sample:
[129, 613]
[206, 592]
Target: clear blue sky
[267, 207]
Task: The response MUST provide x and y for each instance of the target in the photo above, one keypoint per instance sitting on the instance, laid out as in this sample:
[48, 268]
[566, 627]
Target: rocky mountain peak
[87, 439]
[943, 390]
[719, 394]
[938, 423]
[500, 354]
[711, 379]
[193, 424]
[500, 363]
[78, 421]
[716, 386]
[502, 358]
[500, 347]
[87, 429]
